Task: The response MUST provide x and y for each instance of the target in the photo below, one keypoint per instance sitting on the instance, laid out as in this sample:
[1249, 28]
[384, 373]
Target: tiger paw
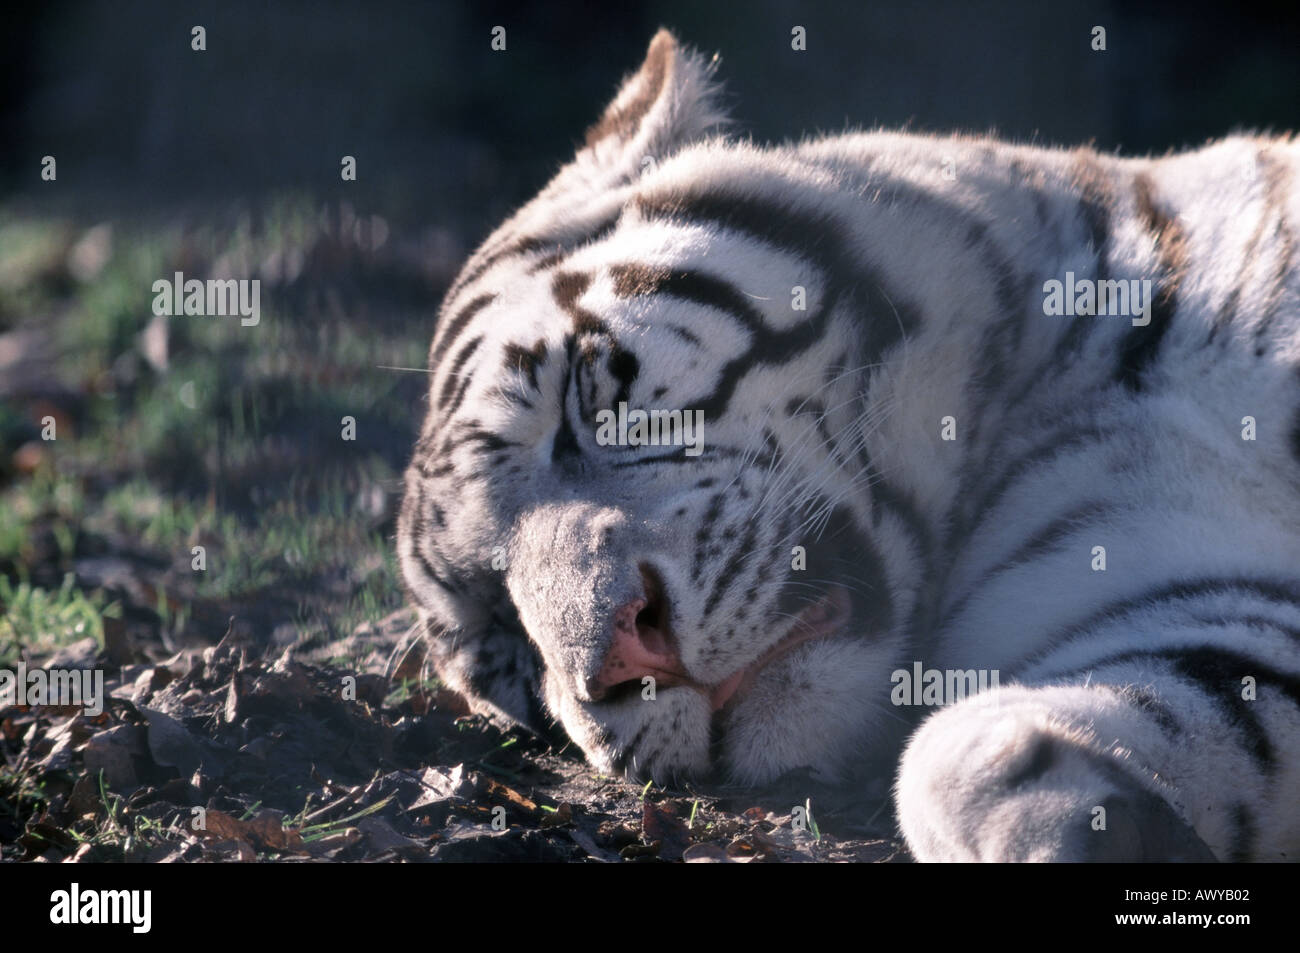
[998, 778]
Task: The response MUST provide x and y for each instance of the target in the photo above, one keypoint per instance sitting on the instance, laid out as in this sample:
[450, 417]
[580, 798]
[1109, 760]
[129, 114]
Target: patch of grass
[41, 620]
[142, 510]
[228, 437]
[109, 311]
[47, 499]
[120, 831]
[110, 806]
[13, 534]
[408, 687]
[22, 793]
[32, 257]
[315, 832]
[812, 821]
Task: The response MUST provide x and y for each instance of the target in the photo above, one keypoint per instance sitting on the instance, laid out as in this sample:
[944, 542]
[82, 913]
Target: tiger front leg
[494, 669]
[1060, 773]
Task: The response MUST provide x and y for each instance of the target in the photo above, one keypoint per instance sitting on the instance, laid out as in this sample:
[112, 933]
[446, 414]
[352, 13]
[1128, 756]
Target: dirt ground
[229, 754]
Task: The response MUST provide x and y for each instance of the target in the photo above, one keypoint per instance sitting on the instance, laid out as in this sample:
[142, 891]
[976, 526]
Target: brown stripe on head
[567, 287]
[633, 280]
[518, 357]
[1142, 343]
[1171, 242]
[446, 335]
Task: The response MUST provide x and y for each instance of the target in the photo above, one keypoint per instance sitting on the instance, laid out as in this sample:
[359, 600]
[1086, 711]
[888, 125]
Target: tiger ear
[670, 101]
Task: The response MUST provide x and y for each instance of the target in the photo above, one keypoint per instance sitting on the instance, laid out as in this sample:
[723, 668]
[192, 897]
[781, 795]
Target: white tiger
[908, 462]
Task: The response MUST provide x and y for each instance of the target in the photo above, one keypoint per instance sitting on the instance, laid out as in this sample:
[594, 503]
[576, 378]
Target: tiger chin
[908, 458]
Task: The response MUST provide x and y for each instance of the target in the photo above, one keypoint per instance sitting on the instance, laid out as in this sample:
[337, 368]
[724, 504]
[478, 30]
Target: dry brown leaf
[660, 823]
[499, 791]
[562, 815]
[265, 829]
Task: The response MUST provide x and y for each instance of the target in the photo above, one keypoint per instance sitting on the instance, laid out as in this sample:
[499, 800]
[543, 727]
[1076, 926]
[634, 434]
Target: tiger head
[641, 507]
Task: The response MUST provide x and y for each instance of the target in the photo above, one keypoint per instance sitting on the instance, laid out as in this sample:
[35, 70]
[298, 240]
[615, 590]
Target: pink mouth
[639, 649]
[821, 619]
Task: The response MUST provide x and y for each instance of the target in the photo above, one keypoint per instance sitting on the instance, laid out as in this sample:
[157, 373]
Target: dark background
[446, 129]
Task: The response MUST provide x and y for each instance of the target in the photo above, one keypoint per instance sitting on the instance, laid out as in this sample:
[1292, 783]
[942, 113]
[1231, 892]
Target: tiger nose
[638, 648]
